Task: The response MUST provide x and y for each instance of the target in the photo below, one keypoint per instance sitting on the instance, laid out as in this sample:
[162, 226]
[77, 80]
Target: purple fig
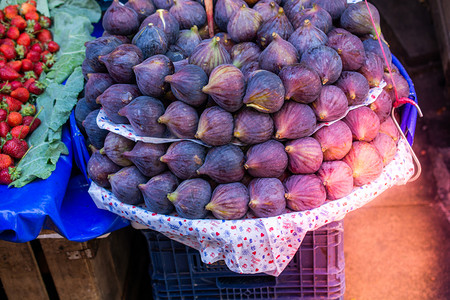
[307, 36]
[334, 7]
[337, 177]
[96, 84]
[335, 140]
[331, 104]
[150, 75]
[115, 146]
[349, 47]
[124, 39]
[363, 123]
[115, 97]
[181, 119]
[388, 127]
[144, 8]
[372, 69]
[325, 61]
[209, 54]
[277, 55]
[225, 40]
[279, 24]
[386, 146]
[81, 111]
[266, 197]
[365, 161]
[355, 87]
[224, 164]
[120, 62]
[244, 53]
[226, 86]
[318, 17]
[265, 92]
[143, 113]
[357, 20]
[382, 106]
[163, 4]
[305, 155]
[87, 69]
[95, 135]
[191, 197]
[120, 19]
[267, 159]
[155, 192]
[151, 40]
[304, 192]
[229, 201]
[279, 2]
[178, 65]
[267, 10]
[215, 126]
[166, 22]
[124, 185]
[400, 84]
[293, 7]
[244, 24]
[188, 13]
[145, 157]
[97, 47]
[371, 45]
[187, 83]
[293, 121]
[223, 10]
[99, 167]
[302, 83]
[252, 127]
[188, 39]
[175, 54]
[249, 68]
[184, 158]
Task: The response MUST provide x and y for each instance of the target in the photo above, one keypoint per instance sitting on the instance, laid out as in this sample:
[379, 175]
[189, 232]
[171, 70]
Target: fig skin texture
[331, 104]
[166, 22]
[155, 192]
[144, 8]
[229, 201]
[265, 92]
[151, 40]
[349, 47]
[334, 7]
[95, 134]
[304, 192]
[335, 140]
[363, 123]
[225, 41]
[318, 16]
[365, 161]
[302, 83]
[143, 113]
[266, 197]
[278, 54]
[98, 47]
[386, 146]
[388, 127]
[99, 167]
[382, 106]
[400, 83]
[356, 19]
[210, 54]
[81, 112]
[244, 53]
[224, 164]
[120, 19]
[187, 83]
[293, 121]
[267, 10]
[325, 61]
[115, 146]
[305, 155]
[184, 158]
[293, 7]
[115, 98]
[307, 36]
[181, 119]
[337, 177]
[226, 86]
[372, 69]
[249, 68]
[267, 159]
[188, 13]
[191, 197]
[124, 185]
[188, 40]
[215, 126]
[371, 45]
[163, 4]
[244, 24]
[96, 84]
[145, 157]
[278, 24]
[355, 87]
[223, 10]
[150, 75]
[252, 127]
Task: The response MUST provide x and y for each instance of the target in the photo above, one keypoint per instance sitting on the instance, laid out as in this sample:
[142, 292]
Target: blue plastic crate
[317, 271]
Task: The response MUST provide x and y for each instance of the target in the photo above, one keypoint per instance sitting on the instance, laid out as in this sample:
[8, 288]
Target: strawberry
[8, 42]
[13, 33]
[32, 2]
[21, 94]
[5, 87]
[16, 84]
[27, 65]
[37, 47]
[26, 8]
[33, 56]
[11, 11]
[44, 36]
[3, 114]
[14, 119]
[36, 87]
[3, 30]
[13, 104]
[39, 67]
[7, 74]
[15, 148]
[27, 83]
[19, 22]
[15, 64]
[8, 175]
[32, 15]
[2, 16]
[8, 51]
[32, 122]
[29, 74]
[52, 46]
[21, 51]
[48, 59]
[5, 161]
[4, 129]
[20, 131]
[27, 109]
[24, 39]
[45, 21]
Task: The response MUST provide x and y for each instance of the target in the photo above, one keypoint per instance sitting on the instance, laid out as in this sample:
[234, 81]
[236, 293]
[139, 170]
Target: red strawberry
[28, 120]
[33, 26]
[20, 131]
[44, 36]
[13, 33]
[29, 74]
[7, 73]
[21, 94]
[19, 22]
[15, 148]
[52, 46]
[36, 87]
[48, 59]
[11, 11]
[14, 119]
[27, 109]
[21, 51]
[3, 114]
[32, 2]
[5, 176]
[26, 8]
[34, 56]
[2, 61]
[8, 42]
[27, 65]
[8, 51]
[45, 21]
[27, 83]
[13, 104]
[2, 16]
[5, 161]
[37, 47]
[2, 30]
[39, 67]
[24, 39]
[16, 84]
[15, 64]
[4, 129]
[5, 87]
[32, 15]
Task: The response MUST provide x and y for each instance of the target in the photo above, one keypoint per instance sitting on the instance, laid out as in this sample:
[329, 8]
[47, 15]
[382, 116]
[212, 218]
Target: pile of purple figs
[244, 105]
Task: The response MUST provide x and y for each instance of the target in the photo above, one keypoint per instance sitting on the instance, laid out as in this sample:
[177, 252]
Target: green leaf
[88, 8]
[42, 7]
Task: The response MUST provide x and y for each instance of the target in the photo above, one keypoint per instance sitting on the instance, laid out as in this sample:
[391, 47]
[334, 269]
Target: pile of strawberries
[26, 50]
